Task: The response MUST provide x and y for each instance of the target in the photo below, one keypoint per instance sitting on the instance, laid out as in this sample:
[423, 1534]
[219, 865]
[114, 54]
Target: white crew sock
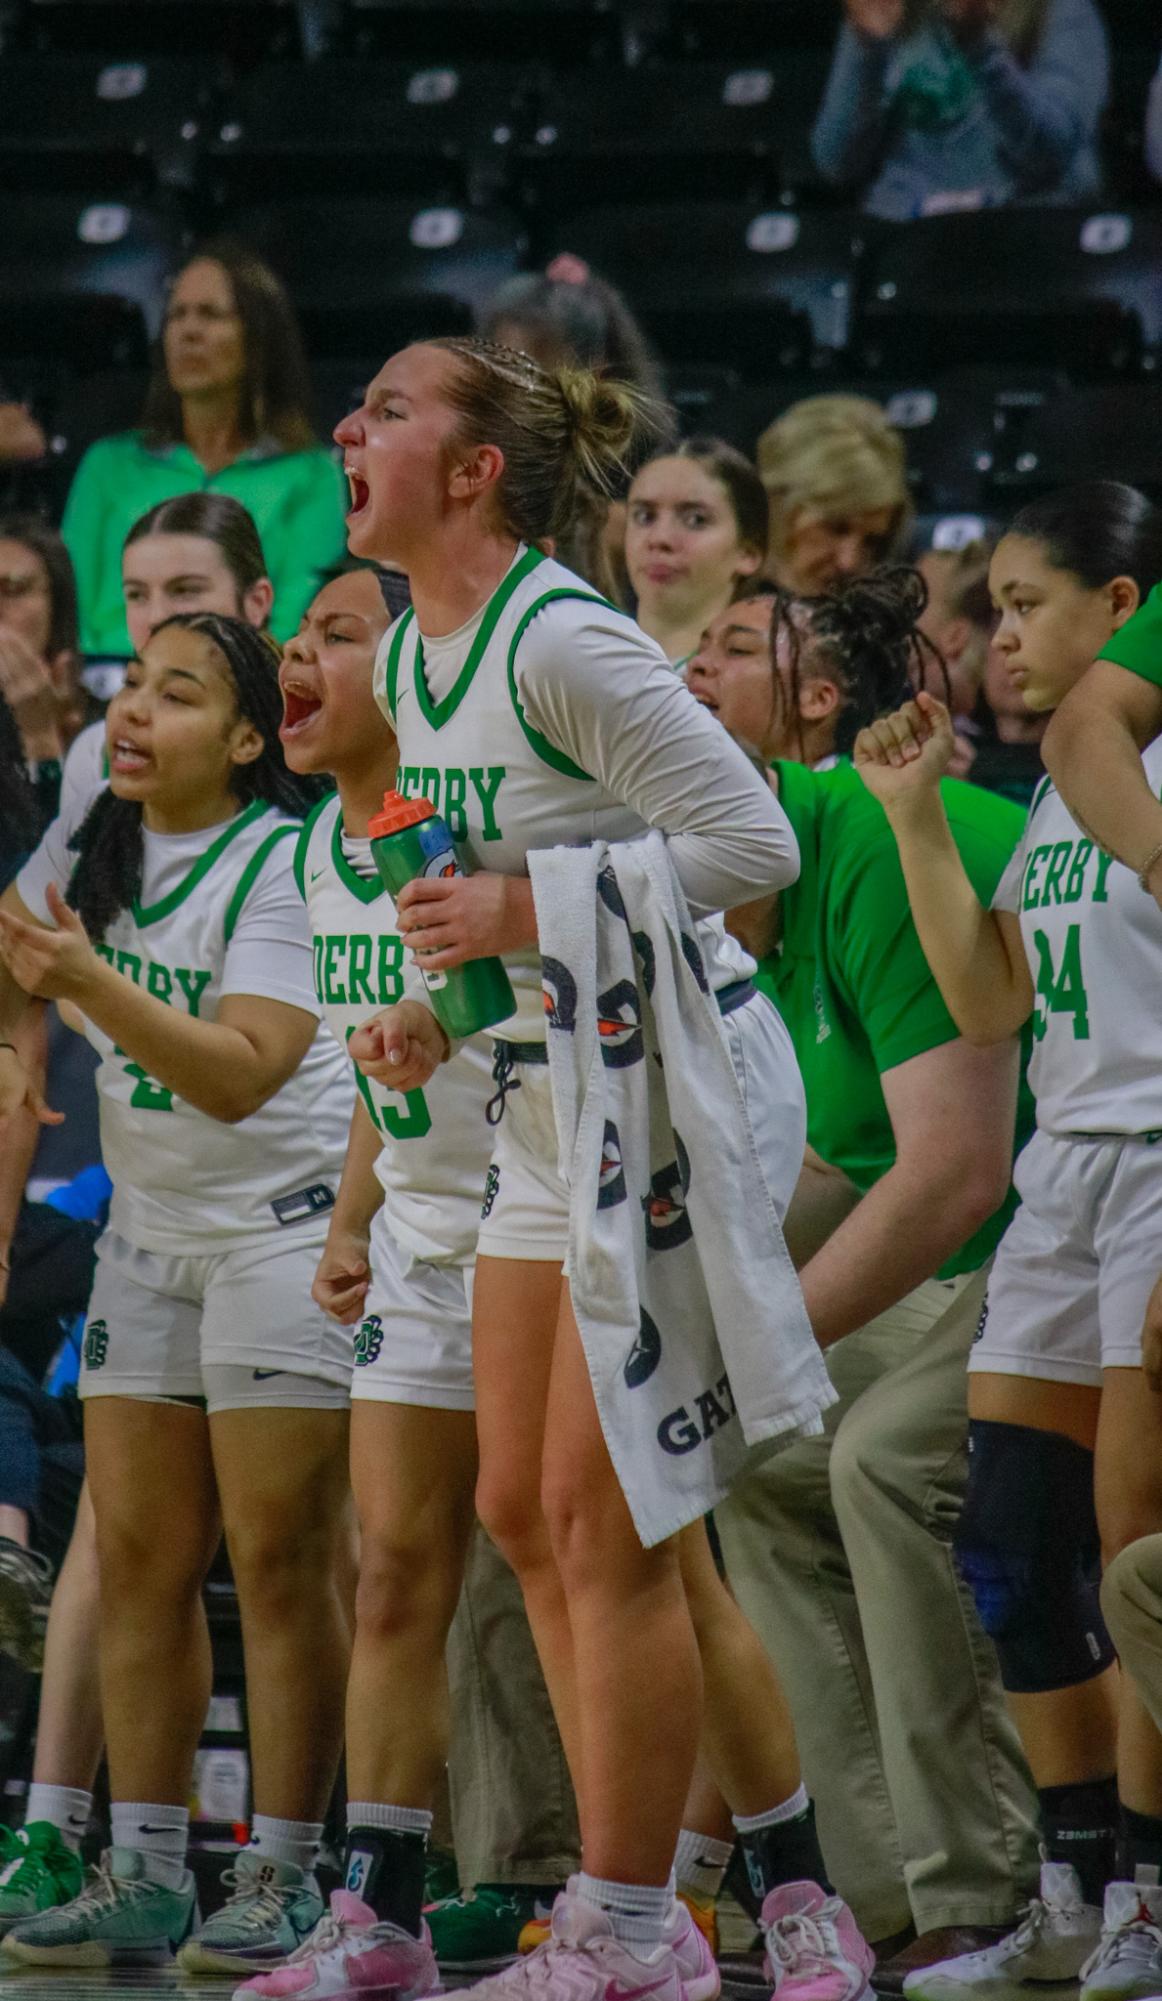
[295, 1841]
[638, 1912]
[786, 1810]
[701, 1863]
[160, 1833]
[67, 1808]
[394, 1819]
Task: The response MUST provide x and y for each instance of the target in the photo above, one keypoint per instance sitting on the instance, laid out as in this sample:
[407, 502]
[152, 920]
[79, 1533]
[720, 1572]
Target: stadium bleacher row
[395, 160]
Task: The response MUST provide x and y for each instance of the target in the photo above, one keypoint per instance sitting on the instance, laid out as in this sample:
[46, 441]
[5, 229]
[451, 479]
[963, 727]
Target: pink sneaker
[582, 1961]
[351, 1952]
[815, 1949]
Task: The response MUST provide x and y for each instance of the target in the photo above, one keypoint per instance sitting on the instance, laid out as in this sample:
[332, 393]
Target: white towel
[692, 1318]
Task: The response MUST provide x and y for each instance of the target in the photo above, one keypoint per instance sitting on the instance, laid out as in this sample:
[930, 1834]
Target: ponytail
[565, 434]
[867, 639]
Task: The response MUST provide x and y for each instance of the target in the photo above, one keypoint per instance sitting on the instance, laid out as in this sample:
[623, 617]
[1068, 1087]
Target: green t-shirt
[297, 500]
[1138, 643]
[850, 978]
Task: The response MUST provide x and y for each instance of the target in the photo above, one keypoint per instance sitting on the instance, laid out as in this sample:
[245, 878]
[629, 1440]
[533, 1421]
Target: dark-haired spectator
[837, 484]
[226, 410]
[567, 316]
[938, 104]
[696, 528]
[38, 649]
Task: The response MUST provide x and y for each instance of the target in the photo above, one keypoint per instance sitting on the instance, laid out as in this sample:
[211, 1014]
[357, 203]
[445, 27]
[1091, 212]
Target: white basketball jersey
[1093, 940]
[185, 1183]
[436, 1142]
[500, 784]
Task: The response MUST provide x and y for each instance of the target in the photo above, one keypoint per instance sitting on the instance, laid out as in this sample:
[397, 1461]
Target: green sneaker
[479, 1932]
[38, 1869]
[120, 1918]
[271, 1908]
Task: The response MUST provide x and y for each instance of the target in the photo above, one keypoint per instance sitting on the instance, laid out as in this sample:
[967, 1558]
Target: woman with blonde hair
[837, 484]
[934, 104]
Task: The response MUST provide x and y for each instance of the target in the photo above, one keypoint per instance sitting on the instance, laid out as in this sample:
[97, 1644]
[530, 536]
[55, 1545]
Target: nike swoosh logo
[264, 1375]
[314, 877]
[614, 1991]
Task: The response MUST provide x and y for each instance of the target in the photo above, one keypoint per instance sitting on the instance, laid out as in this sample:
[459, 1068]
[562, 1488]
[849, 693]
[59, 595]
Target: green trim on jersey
[1040, 791]
[391, 664]
[249, 875]
[546, 751]
[202, 866]
[366, 888]
[436, 714]
[303, 842]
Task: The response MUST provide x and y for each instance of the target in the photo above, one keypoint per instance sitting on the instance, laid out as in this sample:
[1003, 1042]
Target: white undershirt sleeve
[599, 690]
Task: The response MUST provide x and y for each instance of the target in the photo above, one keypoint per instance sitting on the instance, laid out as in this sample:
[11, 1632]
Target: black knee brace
[1028, 1548]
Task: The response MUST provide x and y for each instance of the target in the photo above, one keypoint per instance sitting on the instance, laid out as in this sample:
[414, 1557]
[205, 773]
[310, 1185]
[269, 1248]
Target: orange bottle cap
[398, 813]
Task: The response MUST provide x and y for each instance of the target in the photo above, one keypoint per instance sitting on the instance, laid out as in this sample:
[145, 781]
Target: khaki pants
[513, 1815]
[1131, 1599]
[839, 1552]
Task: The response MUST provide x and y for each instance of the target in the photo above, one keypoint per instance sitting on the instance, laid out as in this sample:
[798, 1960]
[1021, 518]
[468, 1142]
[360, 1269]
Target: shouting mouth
[360, 492]
[300, 706]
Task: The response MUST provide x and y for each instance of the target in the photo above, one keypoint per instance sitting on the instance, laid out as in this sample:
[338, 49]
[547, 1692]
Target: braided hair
[108, 842]
[865, 635]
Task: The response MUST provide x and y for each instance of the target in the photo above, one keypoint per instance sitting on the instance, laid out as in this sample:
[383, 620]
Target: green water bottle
[409, 839]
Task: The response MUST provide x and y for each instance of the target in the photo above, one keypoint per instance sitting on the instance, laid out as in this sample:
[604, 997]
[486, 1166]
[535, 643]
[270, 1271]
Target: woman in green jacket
[226, 411]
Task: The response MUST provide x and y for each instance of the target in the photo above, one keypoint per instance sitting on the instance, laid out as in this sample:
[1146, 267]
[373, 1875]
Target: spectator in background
[837, 485]
[696, 528]
[38, 649]
[227, 410]
[566, 316]
[937, 104]
[22, 441]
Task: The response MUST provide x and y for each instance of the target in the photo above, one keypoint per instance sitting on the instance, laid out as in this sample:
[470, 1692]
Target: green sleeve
[1138, 643]
[310, 538]
[84, 528]
[878, 956]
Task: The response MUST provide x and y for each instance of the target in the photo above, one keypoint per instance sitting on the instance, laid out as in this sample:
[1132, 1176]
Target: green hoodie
[297, 499]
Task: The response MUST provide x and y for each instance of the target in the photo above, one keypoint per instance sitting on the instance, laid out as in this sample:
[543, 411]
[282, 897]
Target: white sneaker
[1056, 1936]
[1127, 1963]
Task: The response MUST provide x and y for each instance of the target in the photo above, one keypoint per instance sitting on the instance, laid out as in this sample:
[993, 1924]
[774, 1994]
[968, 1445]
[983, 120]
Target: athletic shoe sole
[195, 1957]
[92, 1953]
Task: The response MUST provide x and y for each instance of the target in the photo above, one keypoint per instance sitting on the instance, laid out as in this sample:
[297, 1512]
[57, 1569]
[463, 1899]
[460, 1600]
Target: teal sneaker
[38, 1870]
[120, 1918]
[271, 1908]
[480, 1932]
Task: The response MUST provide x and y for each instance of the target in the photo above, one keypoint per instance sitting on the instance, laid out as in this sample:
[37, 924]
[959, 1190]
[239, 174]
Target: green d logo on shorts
[96, 1344]
[368, 1341]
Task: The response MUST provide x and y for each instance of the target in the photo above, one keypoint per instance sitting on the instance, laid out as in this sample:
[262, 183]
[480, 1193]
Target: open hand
[343, 1277]
[877, 19]
[54, 961]
[904, 756]
[447, 920]
[402, 1048]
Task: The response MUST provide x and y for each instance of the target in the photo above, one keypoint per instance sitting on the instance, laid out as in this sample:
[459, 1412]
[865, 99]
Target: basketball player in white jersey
[533, 713]
[215, 1387]
[1061, 1413]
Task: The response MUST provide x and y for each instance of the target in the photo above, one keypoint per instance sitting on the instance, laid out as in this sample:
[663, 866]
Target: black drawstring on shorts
[503, 1066]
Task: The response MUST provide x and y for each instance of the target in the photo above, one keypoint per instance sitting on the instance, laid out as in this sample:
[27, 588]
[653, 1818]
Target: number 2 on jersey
[147, 1095]
[1061, 992]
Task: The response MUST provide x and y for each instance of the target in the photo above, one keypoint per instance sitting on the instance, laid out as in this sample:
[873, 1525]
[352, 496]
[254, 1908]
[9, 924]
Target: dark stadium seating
[722, 282]
[82, 280]
[240, 29]
[570, 31]
[368, 274]
[1048, 287]
[1107, 431]
[91, 125]
[345, 123]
